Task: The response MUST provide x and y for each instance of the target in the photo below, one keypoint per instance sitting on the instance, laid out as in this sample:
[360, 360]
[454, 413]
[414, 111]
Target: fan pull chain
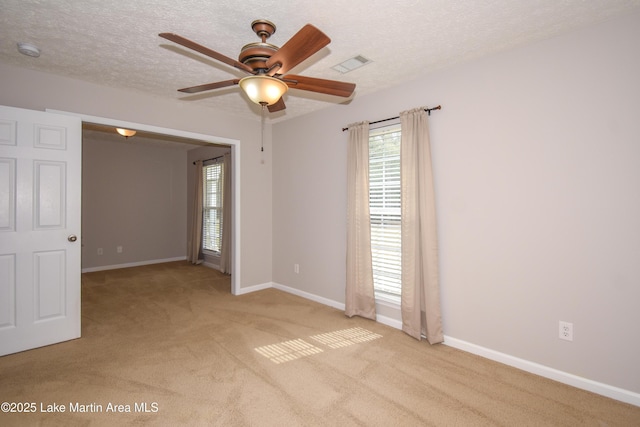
[262, 133]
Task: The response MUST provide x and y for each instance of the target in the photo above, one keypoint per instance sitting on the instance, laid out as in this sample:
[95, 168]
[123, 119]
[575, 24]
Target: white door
[40, 177]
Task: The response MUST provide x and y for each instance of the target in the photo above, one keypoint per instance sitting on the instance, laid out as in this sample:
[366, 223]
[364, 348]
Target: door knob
[72, 238]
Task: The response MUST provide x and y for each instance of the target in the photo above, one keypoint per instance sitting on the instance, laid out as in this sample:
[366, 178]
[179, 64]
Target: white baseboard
[131, 264]
[212, 266]
[307, 295]
[394, 323]
[616, 393]
[255, 288]
[335, 304]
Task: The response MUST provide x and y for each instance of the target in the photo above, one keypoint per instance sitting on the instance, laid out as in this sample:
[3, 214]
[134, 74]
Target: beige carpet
[171, 340]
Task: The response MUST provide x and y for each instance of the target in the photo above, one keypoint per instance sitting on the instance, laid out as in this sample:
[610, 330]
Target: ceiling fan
[267, 65]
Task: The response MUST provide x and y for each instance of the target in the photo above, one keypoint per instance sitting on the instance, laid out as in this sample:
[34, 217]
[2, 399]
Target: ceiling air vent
[351, 64]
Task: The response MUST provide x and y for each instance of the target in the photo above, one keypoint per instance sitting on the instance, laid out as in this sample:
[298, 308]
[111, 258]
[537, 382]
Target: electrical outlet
[100, 251]
[565, 331]
[296, 268]
[119, 249]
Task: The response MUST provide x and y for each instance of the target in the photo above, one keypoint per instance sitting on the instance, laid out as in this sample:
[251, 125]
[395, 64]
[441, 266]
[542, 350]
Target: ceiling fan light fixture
[263, 90]
[125, 132]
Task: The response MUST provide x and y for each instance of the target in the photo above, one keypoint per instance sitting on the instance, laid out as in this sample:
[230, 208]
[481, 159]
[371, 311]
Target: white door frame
[235, 173]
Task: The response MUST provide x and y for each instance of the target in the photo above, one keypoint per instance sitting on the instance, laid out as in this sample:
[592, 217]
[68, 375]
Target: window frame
[219, 208]
[393, 213]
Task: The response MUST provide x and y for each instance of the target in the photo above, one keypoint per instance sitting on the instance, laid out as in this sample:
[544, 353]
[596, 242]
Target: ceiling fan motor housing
[255, 55]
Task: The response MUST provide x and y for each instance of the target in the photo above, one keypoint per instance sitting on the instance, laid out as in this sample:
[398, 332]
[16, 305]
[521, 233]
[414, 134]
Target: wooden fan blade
[206, 51]
[278, 106]
[330, 87]
[302, 45]
[209, 86]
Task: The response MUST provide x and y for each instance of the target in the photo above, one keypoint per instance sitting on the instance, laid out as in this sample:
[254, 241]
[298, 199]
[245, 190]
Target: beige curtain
[360, 299]
[225, 249]
[420, 304]
[194, 253]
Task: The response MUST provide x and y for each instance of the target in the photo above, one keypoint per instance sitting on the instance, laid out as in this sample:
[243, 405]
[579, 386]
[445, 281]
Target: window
[212, 207]
[385, 211]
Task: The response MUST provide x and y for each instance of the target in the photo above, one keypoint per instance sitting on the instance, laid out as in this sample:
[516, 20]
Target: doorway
[173, 136]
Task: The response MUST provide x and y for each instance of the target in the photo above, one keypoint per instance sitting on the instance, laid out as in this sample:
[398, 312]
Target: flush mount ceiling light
[263, 90]
[126, 132]
[29, 49]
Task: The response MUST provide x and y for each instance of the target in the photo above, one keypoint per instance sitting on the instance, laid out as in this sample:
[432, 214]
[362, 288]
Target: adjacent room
[138, 198]
[507, 130]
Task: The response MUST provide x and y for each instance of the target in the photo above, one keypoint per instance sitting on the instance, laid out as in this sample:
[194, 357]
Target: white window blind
[212, 207]
[385, 211]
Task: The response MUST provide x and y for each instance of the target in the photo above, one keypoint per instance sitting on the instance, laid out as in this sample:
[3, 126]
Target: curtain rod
[428, 110]
[213, 158]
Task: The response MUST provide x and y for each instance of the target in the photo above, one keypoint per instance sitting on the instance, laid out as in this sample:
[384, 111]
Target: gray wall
[537, 176]
[133, 196]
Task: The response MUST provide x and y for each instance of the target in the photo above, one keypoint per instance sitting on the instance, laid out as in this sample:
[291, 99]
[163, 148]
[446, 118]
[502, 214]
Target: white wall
[24, 88]
[537, 174]
[133, 196]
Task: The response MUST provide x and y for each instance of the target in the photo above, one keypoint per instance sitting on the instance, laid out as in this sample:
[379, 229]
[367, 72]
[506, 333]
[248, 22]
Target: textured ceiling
[116, 43]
